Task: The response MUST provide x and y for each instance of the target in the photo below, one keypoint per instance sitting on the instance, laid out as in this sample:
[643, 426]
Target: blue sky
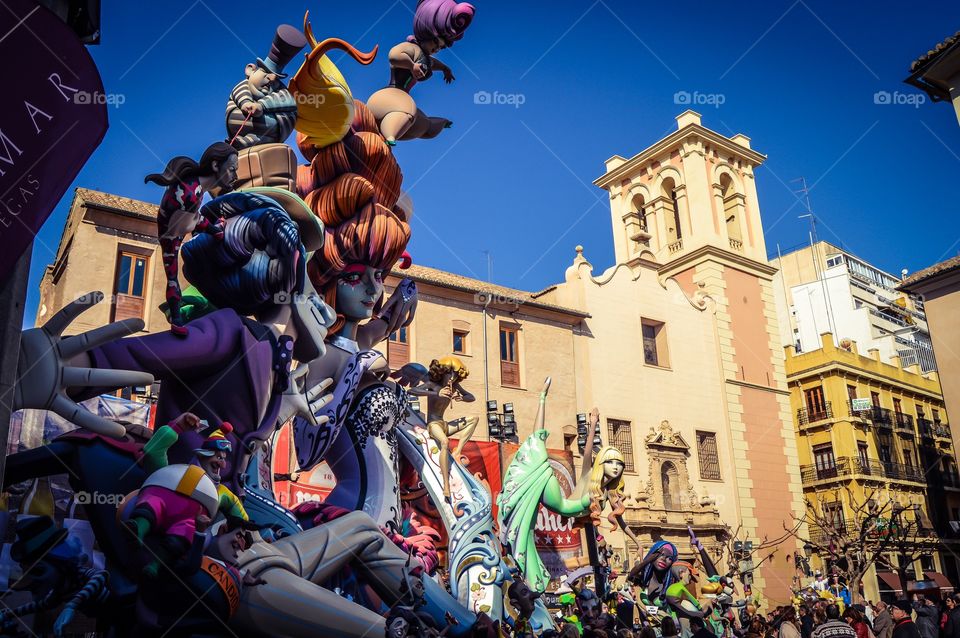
[595, 79]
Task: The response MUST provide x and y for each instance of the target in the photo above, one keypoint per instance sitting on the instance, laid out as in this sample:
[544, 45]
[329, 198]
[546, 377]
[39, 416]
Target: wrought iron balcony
[840, 468]
[824, 537]
[949, 479]
[806, 416]
[880, 417]
[845, 466]
[903, 422]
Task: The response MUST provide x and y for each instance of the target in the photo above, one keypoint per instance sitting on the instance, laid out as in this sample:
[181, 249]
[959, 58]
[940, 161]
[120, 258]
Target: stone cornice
[841, 367]
[726, 257]
[673, 140]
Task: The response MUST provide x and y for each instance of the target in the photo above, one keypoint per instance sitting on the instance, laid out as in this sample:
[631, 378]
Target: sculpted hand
[64, 619]
[397, 312]
[298, 401]
[44, 372]
[448, 76]
[419, 71]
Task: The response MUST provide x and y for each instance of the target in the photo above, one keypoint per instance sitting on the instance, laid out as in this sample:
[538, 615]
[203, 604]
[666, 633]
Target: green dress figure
[529, 482]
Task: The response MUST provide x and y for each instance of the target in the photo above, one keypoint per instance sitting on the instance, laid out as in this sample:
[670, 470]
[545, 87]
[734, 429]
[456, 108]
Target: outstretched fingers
[318, 390]
[76, 414]
[72, 346]
[59, 322]
[104, 378]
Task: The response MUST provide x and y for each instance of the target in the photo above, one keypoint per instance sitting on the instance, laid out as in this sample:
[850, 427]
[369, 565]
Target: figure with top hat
[261, 110]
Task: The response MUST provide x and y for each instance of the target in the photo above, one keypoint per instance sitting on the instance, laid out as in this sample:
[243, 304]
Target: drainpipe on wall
[486, 354]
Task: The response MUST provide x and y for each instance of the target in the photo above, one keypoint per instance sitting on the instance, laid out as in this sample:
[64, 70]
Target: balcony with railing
[808, 415]
[889, 317]
[845, 467]
[824, 537]
[903, 423]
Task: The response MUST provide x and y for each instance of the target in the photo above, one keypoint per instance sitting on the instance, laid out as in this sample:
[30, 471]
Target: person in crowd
[928, 616]
[806, 622]
[833, 627]
[789, 625]
[882, 621]
[855, 619]
[699, 629]
[903, 625]
[952, 627]
[669, 628]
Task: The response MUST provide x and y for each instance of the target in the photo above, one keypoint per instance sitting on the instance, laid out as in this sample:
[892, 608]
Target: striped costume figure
[272, 124]
[184, 196]
[261, 110]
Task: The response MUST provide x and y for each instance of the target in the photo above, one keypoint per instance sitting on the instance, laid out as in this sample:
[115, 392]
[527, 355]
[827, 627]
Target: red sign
[54, 116]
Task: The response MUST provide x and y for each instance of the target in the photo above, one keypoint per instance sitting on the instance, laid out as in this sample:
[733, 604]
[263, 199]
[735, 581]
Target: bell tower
[693, 188]
[686, 208]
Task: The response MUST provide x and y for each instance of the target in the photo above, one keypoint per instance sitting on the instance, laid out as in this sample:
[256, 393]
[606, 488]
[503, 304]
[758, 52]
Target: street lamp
[808, 550]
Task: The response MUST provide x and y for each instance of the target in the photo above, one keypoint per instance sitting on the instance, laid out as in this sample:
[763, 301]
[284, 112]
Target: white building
[823, 288]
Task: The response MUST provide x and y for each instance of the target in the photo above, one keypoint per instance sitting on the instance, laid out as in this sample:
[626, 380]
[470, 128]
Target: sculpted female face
[664, 560]
[359, 288]
[612, 470]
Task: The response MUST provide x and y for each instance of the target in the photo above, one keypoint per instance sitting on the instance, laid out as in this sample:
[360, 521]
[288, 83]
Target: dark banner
[54, 116]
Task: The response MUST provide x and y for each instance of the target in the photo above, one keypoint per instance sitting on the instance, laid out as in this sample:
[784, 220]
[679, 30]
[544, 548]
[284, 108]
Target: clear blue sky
[596, 79]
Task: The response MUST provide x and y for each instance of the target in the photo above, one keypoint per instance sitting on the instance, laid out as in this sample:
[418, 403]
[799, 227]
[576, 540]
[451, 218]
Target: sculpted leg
[394, 125]
[292, 604]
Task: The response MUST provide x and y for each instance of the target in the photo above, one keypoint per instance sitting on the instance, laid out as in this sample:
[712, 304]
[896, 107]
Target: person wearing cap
[261, 109]
[903, 625]
[173, 496]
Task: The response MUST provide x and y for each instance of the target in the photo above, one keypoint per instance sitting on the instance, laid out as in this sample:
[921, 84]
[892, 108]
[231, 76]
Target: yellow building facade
[868, 430]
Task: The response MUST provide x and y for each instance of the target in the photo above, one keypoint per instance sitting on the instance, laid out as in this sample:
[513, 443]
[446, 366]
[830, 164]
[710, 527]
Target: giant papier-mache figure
[287, 306]
[287, 277]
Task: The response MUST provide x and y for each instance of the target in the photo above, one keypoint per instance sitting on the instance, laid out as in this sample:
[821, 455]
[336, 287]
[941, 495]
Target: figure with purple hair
[437, 24]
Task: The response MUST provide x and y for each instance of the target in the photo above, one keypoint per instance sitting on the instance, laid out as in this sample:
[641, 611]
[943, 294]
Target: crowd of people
[919, 617]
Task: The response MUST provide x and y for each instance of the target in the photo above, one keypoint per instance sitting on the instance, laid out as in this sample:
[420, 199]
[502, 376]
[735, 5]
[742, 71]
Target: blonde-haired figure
[442, 386]
[606, 482]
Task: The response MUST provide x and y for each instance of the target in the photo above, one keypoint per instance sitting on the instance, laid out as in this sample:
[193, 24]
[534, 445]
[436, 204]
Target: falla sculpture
[287, 264]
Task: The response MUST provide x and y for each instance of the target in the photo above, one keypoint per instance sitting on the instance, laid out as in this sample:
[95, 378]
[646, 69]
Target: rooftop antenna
[804, 190]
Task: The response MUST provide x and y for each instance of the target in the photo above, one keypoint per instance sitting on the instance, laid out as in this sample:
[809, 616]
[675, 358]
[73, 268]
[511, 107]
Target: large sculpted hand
[397, 312]
[299, 400]
[45, 369]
